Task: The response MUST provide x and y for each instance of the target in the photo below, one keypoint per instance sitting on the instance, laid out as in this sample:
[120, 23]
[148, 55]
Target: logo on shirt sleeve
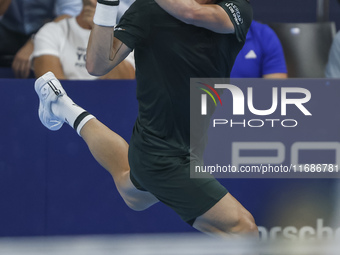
[119, 29]
[235, 11]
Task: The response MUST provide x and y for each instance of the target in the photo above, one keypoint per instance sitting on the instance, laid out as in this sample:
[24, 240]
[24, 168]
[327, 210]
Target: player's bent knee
[133, 202]
[135, 199]
[249, 224]
[245, 225]
[136, 206]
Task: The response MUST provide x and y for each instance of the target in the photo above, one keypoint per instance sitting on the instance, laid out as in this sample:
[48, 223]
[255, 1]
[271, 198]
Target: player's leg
[108, 148]
[201, 202]
[111, 151]
[227, 217]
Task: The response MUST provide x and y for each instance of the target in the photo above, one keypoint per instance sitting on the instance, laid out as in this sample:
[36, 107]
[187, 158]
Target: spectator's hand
[88, 12]
[21, 64]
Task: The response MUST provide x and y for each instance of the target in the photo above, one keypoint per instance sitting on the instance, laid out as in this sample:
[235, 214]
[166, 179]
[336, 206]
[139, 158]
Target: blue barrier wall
[51, 185]
[49, 182]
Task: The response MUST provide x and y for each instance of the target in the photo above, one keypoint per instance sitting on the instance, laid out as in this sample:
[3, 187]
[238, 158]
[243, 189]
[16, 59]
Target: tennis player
[202, 42]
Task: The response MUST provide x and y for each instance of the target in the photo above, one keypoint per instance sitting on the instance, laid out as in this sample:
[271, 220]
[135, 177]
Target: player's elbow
[188, 15]
[93, 69]
[90, 68]
[193, 16]
[186, 12]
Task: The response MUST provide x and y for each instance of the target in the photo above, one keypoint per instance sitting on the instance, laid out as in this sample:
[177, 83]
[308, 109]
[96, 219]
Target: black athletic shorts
[168, 179]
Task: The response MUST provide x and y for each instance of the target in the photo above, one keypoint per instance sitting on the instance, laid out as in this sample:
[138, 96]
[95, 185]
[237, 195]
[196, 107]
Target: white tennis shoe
[49, 89]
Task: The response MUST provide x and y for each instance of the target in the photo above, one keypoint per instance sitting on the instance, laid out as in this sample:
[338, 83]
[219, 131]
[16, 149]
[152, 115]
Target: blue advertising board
[51, 185]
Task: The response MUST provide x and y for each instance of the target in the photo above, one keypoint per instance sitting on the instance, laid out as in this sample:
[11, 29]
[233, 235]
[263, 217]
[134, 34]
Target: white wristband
[105, 15]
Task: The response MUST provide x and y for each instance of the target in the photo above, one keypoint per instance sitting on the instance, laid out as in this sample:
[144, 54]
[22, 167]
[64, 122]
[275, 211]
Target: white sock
[71, 113]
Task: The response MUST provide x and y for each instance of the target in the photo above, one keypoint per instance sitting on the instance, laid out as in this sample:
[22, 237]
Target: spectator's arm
[21, 63]
[275, 76]
[4, 6]
[45, 63]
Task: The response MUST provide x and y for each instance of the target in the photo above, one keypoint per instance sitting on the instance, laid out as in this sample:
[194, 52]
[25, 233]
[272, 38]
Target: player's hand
[109, 2]
[21, 64]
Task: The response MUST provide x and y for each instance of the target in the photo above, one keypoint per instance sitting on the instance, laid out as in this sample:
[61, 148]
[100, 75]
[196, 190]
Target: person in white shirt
[61, 46]
[21, 20]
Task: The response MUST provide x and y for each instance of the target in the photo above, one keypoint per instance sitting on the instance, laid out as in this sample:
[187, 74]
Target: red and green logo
[212, 93]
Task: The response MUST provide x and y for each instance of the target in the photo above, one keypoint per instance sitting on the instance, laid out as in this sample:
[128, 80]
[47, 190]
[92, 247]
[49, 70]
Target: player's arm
[104, 51]
[199, 13]
[123, 71]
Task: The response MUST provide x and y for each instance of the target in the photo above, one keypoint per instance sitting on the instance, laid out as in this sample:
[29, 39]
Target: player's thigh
[168, 179]
[227, 216]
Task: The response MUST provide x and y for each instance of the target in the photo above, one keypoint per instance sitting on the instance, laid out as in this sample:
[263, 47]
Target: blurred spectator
[61, 46]
[333, 64]
[21, 20]
[262, 55]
